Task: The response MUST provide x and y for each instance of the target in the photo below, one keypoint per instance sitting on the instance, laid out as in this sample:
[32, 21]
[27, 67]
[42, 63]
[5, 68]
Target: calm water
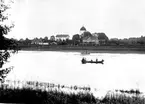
[120, 71]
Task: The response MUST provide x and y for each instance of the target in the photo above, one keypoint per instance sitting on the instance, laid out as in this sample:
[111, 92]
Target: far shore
[92, 50]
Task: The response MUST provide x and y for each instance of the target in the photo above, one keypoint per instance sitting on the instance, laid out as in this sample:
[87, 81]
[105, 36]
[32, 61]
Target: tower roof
[82, 28]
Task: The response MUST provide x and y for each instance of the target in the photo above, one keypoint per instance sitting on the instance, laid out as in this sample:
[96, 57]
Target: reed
[29, 94]
[123, 99]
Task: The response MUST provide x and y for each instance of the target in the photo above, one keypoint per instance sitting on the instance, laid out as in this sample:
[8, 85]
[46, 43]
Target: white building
[62, 37]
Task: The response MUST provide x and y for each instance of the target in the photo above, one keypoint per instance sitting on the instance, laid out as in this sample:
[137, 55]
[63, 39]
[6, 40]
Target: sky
[40, 18]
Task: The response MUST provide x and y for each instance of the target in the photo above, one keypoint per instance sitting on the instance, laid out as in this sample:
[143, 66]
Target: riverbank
[90, 49]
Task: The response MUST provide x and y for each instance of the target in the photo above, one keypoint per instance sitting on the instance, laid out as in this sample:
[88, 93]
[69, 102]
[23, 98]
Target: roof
[82, 28]
[91, 37]
[87, 34]
[102, 36]
[62, 35]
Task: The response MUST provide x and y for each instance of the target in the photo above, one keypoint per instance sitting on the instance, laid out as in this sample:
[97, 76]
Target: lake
[119, 71]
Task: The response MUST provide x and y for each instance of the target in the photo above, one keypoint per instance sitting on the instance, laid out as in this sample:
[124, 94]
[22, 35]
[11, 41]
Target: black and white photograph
[72, 51]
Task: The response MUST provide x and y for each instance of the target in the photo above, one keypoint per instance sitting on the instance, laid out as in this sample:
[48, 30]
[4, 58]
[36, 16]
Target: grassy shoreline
[91, 49]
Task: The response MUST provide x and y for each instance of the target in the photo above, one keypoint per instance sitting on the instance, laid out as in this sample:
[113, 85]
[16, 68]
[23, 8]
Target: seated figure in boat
[96, 60]
[83, 60]
[91, 60]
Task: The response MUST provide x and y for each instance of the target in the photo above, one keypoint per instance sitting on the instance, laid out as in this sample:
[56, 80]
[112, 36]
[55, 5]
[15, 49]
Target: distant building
[82, 30]
[36, 41]
[90, 38]
[39, 41]
[87, 37]
[61, 37]
[95, 35]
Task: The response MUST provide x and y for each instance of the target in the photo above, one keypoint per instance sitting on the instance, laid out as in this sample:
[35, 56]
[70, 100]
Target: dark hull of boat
[96, 62]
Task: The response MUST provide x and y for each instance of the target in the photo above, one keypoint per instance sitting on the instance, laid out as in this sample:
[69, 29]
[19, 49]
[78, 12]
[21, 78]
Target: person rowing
[96, 60]
[83, 60]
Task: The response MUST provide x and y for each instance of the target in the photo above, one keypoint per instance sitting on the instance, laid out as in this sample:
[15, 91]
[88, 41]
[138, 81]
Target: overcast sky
[116, 18]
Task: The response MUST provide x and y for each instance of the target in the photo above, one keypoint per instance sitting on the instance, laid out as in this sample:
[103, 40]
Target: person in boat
[91, 60]
[83, 60]
[96, 60]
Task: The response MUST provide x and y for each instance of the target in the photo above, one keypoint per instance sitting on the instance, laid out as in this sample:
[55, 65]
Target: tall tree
[6, 45]
[45, 39]
[76, 39]
[103, 39]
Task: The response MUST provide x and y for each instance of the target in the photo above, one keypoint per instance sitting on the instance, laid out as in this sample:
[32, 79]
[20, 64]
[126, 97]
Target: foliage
[102, 36]
[123, 99]
[128, 41]
[86, 34]
[7, 46]
[76, 39]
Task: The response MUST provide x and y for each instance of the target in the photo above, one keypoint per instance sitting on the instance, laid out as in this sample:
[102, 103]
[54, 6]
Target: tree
[6, 45]
[103, 39]
[86, 34]
[52, 38]
[45, 39]
[102, 36]
[76, 39]
[27, 42]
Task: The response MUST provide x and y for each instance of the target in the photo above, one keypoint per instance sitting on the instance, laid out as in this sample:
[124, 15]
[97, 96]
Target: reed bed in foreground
[27, 95]
[123, 99]
[38, 96]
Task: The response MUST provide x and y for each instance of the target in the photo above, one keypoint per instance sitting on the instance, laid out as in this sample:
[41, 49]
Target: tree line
[76, 41]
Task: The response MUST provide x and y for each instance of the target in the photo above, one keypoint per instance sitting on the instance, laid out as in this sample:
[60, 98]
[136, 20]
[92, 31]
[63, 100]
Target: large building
[87, 37]
[61, 37]
[82, 30]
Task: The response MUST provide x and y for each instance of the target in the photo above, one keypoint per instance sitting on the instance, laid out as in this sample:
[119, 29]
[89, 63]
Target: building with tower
[82, 30]
[87, 37]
